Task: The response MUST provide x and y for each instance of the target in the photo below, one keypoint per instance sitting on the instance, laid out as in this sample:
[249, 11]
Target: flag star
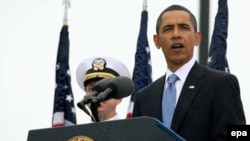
[66, 86]
[209, 60]
[147, 50]
[73, 110]
[58, 66]
[149, 62]
[69, 98]
[68, 72]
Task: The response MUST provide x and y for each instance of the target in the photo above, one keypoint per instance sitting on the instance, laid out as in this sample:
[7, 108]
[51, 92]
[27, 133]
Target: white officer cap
[99, 67]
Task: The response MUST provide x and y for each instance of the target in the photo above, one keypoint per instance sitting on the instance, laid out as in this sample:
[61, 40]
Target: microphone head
[121, 86]
[101, 85]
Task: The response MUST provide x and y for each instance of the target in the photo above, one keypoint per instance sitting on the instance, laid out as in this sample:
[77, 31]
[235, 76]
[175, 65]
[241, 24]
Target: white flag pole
[145, 5]
[66, 4]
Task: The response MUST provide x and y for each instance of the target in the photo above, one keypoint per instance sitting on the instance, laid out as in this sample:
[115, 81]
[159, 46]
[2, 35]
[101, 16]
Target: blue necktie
[168, 101]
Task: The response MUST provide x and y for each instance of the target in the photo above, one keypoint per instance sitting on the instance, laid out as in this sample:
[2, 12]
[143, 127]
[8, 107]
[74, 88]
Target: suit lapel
[157, 96]
[188, 93]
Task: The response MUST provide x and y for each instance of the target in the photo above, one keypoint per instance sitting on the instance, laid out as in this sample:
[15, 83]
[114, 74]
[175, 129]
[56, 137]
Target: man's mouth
[175, 46]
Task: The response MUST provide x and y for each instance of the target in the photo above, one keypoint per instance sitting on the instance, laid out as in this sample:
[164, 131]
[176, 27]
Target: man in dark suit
[206, 100]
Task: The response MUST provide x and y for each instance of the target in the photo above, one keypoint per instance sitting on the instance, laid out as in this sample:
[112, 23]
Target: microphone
[100, 86]
[118, 87]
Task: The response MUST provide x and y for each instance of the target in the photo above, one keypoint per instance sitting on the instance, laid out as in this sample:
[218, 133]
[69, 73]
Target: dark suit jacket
[202, 112]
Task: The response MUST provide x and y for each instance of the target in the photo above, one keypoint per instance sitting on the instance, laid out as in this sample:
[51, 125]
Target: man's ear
[198, 37]
[156, 41]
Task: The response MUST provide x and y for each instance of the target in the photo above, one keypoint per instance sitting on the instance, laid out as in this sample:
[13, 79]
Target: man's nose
[176, 32]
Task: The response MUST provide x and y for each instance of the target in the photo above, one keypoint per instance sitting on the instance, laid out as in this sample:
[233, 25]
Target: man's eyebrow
[171, 25]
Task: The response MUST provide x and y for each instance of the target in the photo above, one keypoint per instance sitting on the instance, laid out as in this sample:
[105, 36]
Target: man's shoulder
[154, 85]
[216, 74]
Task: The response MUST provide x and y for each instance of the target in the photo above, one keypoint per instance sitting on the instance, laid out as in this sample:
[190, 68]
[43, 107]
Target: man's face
[105, 106]
[177, 38]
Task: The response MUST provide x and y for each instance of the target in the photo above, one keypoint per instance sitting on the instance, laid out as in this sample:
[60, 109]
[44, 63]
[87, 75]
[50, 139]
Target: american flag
[142, 69]
[218, 47]
[64, 109]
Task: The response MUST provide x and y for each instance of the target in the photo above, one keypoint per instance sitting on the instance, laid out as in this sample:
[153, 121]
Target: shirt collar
[113, 118]
[182, 72]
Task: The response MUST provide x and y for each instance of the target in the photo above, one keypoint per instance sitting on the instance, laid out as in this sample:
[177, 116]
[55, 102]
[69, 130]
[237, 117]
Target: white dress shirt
[182, 73]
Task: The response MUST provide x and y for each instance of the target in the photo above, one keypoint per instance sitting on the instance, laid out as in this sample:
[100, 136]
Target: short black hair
[176, 7]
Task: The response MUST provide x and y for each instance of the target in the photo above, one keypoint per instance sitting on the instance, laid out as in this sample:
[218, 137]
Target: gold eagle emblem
[98, 64]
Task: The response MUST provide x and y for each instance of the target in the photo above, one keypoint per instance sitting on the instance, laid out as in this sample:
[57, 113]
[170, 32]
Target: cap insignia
[98, 64]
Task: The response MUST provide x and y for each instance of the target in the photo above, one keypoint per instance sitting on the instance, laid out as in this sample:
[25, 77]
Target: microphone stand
[81, 106]
[95, 103]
